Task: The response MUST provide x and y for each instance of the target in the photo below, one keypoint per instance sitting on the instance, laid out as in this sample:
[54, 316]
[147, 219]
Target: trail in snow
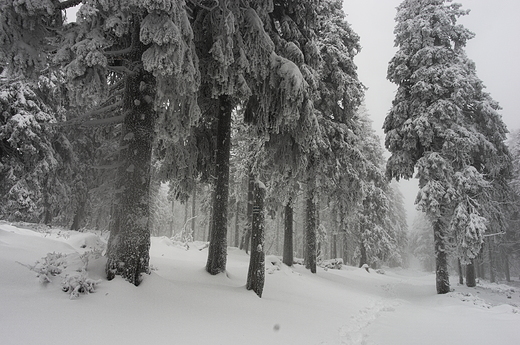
[180, 303]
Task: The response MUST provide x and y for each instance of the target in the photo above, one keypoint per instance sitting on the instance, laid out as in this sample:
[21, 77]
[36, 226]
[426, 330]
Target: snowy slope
[179, 303]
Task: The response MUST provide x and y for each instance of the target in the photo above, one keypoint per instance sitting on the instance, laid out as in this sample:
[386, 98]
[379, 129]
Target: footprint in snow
[353, 333]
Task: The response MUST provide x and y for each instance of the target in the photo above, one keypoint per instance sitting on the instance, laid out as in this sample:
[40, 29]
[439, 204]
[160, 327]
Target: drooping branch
[208, 5]
[121, 69]
[120, 52]
[67, 4]
[103, 122]
[85, 118]
[102, 110]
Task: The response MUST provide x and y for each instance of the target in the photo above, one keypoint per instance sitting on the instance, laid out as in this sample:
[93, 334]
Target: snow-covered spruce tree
[339, 162]
[282, 109]
[376, 237]
[510, 244]
[147, 45]
[33, 153]
[36, 158]
[233, 46]
[442, 125]
[229, 38]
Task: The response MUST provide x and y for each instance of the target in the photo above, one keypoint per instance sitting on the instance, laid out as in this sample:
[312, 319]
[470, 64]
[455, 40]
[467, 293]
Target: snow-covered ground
[179, 303]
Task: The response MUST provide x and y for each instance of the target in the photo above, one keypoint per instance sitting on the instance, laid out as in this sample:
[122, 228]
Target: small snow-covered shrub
[272, 264]
[90, 254]
[49, 266]
[333, 264]
[298, 261]
[55, 264]
[182, 239]
[79, 283]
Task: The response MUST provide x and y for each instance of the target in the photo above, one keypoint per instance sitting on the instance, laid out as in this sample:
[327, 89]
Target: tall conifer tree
[147, 46]
[443, 126]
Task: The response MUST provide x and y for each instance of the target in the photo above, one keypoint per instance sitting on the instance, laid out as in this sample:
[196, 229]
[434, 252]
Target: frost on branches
[33, 153]
[443, 125]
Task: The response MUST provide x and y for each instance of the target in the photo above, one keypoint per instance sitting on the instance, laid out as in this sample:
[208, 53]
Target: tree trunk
[506, 266]
[210, 223]
[363, 254]
[237, 223]
[334, 249]
[172, 229]
[343, 232]
[193, 212]
[441, 258]
[479, 262]
[310, 258]
[185, 230]
[470, 274]
[217, 253]
[334, 237]
[461, 278]
[277, 237]
[129, 242]
[288, 246]
[250, 201]
[79, 216]
[491, 261]
[256, 273]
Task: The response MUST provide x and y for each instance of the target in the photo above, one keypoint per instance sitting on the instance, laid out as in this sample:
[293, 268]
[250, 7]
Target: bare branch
[120, 52]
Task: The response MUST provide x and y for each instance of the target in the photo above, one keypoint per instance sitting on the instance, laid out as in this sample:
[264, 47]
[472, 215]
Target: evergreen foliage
[443, 126]
[99, 116]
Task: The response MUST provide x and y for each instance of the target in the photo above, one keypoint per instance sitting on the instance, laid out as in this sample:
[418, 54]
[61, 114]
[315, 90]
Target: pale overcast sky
[495, 50]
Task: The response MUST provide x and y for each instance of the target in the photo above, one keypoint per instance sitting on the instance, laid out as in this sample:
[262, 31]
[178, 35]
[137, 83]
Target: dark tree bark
[506, 266]
[479, 263]
[470, 274]
[491, 261]
[256, 273]
[343, 235]
[311, 248]
[461, 278]
[288, 246]
[249, 215]
[129, 242]
[185, 223]
[172, 226]
[237, 223]
[441, 258]
[193, 212]
[217, 253]
[79, 216]
[363, 254]
[277, 237]
[333, 244]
